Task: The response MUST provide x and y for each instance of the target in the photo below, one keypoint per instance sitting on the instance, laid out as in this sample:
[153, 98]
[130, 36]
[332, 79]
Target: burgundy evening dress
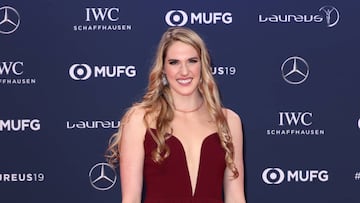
[169, 182]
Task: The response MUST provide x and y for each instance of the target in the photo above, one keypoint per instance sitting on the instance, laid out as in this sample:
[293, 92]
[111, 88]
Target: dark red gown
[169, 182]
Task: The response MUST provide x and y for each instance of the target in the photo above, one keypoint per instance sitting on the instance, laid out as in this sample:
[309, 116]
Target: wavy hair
[158, 103]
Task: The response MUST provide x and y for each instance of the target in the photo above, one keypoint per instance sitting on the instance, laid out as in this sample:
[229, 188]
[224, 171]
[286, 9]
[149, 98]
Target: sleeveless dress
[169, 182]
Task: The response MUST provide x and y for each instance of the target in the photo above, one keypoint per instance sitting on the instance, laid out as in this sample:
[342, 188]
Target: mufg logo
[276, 176]
[181, 18]
[85, 71]
[20, 125]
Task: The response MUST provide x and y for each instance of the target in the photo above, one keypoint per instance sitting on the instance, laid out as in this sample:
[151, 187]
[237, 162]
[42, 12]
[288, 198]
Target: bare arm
[132, 157]
[234, 188]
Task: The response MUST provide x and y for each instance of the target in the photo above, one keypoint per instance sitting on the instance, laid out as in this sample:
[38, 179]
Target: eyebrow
[191, 58]
[195, 57]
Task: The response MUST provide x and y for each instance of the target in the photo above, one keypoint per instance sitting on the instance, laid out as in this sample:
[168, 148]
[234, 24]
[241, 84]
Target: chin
[186, 93]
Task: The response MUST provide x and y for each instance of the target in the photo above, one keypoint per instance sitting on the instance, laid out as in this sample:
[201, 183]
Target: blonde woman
[179, 144]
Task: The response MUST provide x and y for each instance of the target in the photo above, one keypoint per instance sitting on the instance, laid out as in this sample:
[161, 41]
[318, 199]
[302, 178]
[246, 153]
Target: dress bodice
[169, 181]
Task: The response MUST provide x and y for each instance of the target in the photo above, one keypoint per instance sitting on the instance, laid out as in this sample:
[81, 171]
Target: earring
[164, 80]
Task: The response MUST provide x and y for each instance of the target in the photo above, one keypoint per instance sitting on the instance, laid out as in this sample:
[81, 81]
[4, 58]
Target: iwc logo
[102, 176]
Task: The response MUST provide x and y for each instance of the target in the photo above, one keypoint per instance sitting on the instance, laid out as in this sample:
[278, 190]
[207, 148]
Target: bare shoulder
[234, 121]
[133, 122]
[134, 114]
[231, 116]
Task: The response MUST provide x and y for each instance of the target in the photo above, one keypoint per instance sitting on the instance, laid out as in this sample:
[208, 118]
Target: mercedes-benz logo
[295, 70]
[9, 20]
[102, 176]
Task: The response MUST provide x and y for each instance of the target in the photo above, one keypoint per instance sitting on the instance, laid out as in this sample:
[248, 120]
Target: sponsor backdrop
[69, 69]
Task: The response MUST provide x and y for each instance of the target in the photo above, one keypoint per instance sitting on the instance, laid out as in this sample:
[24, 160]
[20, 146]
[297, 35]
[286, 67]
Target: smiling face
[182, 68]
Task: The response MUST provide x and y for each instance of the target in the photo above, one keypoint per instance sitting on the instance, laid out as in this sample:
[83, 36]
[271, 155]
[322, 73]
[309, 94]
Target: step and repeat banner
[69, 70]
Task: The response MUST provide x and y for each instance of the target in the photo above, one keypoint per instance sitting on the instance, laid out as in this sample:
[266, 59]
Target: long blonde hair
[157, 101]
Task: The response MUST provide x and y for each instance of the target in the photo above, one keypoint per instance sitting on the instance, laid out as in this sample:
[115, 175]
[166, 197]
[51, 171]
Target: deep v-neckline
[193, 192]
[169, 180]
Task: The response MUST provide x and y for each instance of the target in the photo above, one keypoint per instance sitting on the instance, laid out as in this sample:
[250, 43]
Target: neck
[190, 110]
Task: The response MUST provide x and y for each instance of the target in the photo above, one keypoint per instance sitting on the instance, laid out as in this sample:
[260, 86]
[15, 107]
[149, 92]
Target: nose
[184, 69]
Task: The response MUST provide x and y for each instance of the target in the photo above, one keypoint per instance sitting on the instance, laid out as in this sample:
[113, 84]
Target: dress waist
[182, 200]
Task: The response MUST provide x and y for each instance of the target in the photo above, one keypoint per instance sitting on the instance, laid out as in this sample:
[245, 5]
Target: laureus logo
[326, 14]
[332, 15]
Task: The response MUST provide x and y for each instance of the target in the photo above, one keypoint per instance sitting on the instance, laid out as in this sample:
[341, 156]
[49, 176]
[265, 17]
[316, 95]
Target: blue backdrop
[69, 69]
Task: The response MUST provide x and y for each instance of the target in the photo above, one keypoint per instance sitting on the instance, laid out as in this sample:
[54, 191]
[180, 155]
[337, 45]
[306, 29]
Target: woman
[179, 140]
